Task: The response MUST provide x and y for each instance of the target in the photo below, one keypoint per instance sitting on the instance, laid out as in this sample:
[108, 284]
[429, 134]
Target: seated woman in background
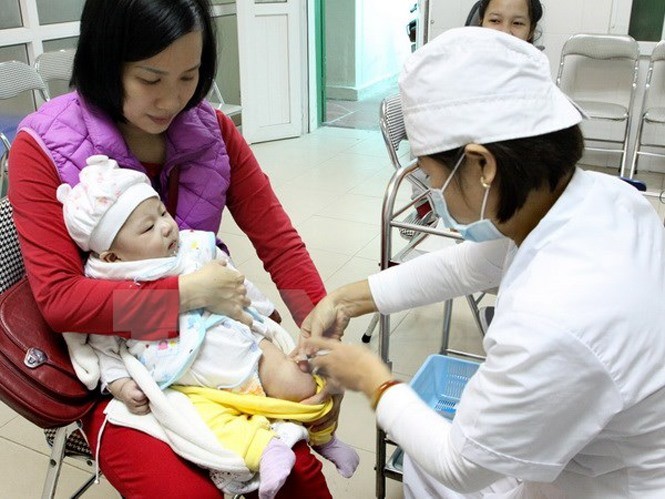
[515, 17]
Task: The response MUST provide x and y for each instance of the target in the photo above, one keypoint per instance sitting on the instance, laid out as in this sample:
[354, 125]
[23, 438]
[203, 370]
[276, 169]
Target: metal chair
[16, 77]
[55, 66]
[66, 441]
[216, 99]
[415, 229]
[599, 72]
[391, 122]
[418, 224]
[653, 106]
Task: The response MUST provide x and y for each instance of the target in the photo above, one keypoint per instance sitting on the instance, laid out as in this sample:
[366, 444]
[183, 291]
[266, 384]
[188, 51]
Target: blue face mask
[479, 231]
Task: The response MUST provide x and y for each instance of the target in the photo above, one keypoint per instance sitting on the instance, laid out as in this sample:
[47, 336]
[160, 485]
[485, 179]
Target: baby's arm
[114, 376]
[127, 391]
[281, 377]
[111, 365]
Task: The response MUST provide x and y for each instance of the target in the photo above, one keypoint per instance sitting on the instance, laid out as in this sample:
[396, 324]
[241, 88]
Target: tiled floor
[362, 114]
[332, 184]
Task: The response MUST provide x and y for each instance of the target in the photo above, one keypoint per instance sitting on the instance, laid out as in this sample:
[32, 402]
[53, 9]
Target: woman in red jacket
[141, 72]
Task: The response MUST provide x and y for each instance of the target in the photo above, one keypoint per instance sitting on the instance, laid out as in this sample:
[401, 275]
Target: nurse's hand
[327, 319]
[217, 288]
[352, 366]
[332, 314]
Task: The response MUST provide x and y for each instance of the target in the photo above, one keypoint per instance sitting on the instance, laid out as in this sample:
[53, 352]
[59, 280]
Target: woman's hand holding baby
[217, 288]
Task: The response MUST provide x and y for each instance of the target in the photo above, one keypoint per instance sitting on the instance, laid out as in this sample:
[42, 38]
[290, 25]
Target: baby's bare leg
[281, 377]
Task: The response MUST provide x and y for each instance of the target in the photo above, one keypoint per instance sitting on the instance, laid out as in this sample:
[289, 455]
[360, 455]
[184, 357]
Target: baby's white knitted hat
[98, 206]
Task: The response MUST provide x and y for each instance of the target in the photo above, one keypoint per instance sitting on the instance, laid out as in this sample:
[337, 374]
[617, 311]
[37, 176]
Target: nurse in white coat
[570, 401]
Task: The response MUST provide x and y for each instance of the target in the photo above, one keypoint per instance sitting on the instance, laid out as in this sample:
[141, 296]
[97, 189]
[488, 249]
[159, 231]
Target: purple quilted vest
[69, 130]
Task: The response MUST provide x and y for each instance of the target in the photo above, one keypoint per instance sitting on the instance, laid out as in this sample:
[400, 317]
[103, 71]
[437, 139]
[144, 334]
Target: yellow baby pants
[241, 422]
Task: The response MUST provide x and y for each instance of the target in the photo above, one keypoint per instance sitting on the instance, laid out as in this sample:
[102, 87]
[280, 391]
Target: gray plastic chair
[653, 106]
[473, 18]
[16, 77]
[599, 72]
[55, 66]
[216, 99]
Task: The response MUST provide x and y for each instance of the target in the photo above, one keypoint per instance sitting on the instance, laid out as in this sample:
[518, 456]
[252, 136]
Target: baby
[117, 216]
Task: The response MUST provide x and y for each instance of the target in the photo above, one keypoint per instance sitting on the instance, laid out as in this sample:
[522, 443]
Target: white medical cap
[479, 85]
[98, 206]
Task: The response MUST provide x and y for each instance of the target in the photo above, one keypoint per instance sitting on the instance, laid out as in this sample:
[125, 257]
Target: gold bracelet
[378, 393]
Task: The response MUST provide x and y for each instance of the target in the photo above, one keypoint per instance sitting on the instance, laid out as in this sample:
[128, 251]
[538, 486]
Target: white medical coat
[573, 388]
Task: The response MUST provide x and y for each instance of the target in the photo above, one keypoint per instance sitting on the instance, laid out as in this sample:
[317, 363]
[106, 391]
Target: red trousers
[140, 466]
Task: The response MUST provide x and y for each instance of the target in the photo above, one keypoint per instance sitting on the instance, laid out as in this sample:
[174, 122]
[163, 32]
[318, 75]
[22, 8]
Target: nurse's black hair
[535, 15]
[527, 164]
[115, 32]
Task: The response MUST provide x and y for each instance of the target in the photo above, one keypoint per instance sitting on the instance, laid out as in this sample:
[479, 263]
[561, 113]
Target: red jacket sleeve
[68, 300]
[259, 214]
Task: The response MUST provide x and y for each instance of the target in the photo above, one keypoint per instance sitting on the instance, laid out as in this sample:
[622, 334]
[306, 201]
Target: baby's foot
[275, 466]
[343, 456]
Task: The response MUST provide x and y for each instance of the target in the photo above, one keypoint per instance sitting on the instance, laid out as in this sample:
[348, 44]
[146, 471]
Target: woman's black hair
[115, 32]
[535, 14]
[527, 164]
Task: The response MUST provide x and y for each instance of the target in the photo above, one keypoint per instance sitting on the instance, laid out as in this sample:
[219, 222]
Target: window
[646, 20]
[51, 12]
[56, 88]
[27, 28]
[10, 14]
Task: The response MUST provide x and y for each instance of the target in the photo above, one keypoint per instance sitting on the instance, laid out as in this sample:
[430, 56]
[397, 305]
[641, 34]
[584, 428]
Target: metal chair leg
[475, 311]
[638, 147]
[55, 460]
[445, 333]
[370, 328]
[83, 488]
[4, 176]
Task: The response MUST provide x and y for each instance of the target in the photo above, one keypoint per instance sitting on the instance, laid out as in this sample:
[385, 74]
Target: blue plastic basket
[440, 382]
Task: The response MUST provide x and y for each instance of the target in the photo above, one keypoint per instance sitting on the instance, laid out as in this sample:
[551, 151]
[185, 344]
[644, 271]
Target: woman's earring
[484, 183]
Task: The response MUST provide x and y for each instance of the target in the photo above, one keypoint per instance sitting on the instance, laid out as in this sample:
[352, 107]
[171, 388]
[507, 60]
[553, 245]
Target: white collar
[140, 270]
